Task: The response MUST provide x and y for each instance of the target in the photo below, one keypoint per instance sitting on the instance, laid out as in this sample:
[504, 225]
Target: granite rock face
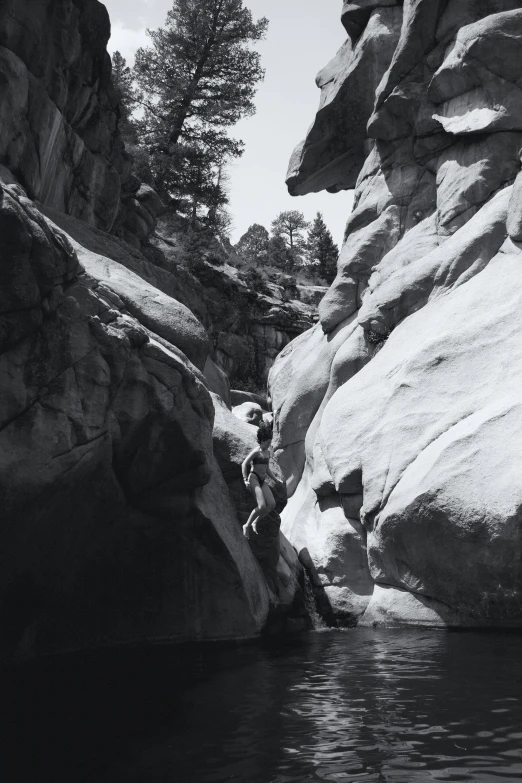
[118, 523]
[396, 417]
[59, 139]
[248, 328]
[333, 151]
[59, 116]
[121, 521]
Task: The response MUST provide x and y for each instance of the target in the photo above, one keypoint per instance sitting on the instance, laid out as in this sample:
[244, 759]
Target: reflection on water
[358, 705]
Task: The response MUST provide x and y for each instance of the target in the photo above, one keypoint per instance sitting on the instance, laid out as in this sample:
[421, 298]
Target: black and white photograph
[260, 391]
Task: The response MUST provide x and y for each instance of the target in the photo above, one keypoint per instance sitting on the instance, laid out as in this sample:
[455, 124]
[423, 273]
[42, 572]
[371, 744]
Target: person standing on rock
[255, 470]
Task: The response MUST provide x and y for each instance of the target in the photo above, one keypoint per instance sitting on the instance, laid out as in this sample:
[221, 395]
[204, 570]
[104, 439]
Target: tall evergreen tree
[280, 255]
[197, 79]
[322, 250]
[290, 226]
[123, 84]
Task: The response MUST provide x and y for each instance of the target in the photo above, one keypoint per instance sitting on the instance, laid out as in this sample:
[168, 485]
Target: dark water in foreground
[334, 706]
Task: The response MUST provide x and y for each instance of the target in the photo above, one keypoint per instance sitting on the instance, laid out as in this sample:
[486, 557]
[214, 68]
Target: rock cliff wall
[119, 464]
[59, 139]
[398, 415]
[248, 328]
[59, 116]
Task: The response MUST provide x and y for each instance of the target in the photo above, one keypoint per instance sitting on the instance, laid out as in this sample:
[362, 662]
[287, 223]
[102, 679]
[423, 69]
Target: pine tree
[253, 245]
[198, 78]
[279, 255]
[124, 88]
[289, 227]
[322, 250]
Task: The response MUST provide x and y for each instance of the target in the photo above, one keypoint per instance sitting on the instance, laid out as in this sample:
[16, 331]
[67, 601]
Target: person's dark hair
[264, 432]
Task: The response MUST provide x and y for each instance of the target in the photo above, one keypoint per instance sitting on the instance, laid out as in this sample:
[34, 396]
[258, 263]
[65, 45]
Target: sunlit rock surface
[397, 418]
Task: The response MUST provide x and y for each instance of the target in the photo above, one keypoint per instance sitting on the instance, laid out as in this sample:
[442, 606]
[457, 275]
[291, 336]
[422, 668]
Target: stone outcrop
[248, 328]
[397, 416]
[59, 114]
[332, 154]
[117, 522]
[119, 455]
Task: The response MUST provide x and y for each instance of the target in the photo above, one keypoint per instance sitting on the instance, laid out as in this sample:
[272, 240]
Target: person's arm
[245, 467]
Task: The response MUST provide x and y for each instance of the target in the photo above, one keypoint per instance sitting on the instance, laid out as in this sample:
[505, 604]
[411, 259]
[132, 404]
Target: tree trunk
[194, 82]
[194, 214]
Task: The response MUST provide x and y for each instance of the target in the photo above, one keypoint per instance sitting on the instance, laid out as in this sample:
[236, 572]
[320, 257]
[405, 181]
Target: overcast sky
[302, 37]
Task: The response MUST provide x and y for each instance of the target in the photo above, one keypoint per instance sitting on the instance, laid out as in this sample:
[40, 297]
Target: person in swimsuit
[255, 469]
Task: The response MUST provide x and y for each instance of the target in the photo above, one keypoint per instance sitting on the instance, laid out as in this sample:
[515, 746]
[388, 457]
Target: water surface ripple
[361, 705]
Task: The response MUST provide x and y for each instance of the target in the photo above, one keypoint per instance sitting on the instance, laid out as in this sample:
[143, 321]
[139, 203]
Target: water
[372, 706]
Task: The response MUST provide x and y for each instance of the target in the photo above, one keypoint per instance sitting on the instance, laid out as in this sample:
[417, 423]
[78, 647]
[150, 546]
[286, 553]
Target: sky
[303, 36]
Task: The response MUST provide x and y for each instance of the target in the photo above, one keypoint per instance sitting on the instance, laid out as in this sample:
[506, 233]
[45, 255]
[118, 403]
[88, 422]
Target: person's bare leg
[259, 516]
[257, 491]
[268, 498]
[268, 504]
[250, 522]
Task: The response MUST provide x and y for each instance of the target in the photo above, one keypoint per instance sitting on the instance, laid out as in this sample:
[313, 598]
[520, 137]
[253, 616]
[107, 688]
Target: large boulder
[249, 412]
[332, 154]
[397, 418]
[160, 313]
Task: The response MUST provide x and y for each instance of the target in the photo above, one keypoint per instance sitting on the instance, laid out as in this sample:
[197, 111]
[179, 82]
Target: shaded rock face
[59, 116]
[121, 523]
[248, 329]
[245, 331]
[331, 155]
[117, 521]
[396, 416]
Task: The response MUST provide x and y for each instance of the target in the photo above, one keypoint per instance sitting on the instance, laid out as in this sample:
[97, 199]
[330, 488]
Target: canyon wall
[59, 117]
[398, 415]
[248, 327]
[120, 479]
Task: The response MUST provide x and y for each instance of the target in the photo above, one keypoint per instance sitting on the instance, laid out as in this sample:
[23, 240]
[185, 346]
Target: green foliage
[279, 255]
[289, 285]
[123, 85]
[290, 226]
[196, 80]
[254, 280]
[141, 163]
[198, 247]
[253, 245]
[377, 339]
[321, 250]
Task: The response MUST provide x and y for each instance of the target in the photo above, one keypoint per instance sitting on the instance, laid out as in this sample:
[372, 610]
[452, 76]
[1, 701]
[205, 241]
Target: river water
[359, 705]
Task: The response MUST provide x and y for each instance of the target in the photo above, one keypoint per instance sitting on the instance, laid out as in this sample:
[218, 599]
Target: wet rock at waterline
[397, 417]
